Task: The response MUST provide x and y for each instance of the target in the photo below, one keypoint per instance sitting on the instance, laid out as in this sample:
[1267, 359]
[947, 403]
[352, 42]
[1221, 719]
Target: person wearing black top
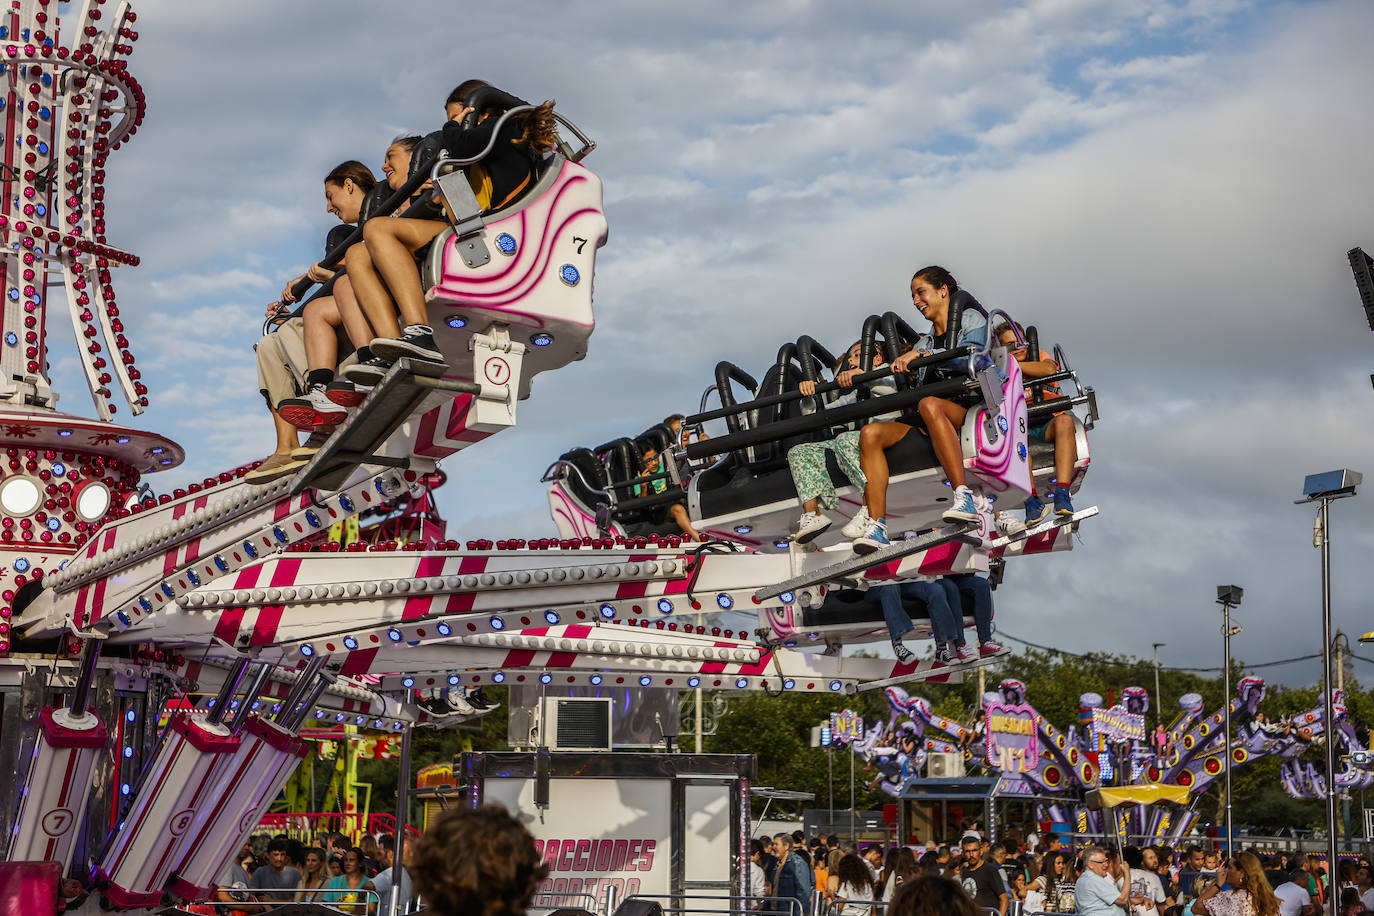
[980, 878]
[385, 276]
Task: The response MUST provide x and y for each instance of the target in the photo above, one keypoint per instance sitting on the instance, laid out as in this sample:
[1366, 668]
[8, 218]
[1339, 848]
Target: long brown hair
[1256, 884]
[537, 128]
[932, 895]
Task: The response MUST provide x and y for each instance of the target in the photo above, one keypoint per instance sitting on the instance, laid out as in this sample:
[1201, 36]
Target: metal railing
[366, 899]
[736, 905]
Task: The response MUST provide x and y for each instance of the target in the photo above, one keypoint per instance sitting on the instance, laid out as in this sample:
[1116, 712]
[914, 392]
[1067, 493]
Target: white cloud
[200, 284]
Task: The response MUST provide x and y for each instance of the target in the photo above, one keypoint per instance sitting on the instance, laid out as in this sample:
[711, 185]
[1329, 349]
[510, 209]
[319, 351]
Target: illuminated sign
[1011, 738]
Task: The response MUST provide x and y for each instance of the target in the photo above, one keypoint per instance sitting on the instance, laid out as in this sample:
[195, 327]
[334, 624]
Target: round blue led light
[743, 529]
[14, 294]
[645, 681]
[123, 618]
[193, 576]
[312, 518]
[457, 322]
[551, 616]
[1002, 423]
[360, 720]
[279, 533]
[453, 680]
[249, 549]
[319, 714]
[444, 629]
[339, 717]
[407, 682]
[167, 590]
[124, 789]
[497, 623]
[393, 634]
[545, 678]
[595, 679]
[693, 682]
[398, 726]
[607, 611]
[788, 684]
[505, 242]
[307, 651]
[541, 340]
[499, 677]
[345, 503]
[11, 338]
[21, 565]
[725, 602]
[787, 597]
[781, 545]
[128, 752]
[350, 642]
[665, 606]
[741, 683]
[569, 275]
[835, 685]
[1021, 450]
[157, 450]
[41, 210]
[59, 469]
[145, 603]
[130, 716]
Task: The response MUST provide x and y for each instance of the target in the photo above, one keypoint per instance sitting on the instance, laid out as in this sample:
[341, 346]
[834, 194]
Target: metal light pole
[1159, 701]
[1228, 596]
[1322, 489]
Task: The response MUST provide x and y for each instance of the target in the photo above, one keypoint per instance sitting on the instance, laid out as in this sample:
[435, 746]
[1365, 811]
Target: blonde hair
[1256, 884]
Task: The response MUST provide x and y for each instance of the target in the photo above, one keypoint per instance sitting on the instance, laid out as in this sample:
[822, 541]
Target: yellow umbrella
[1110, 797]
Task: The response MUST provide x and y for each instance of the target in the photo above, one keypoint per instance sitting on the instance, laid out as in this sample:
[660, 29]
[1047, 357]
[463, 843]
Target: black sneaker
[368, 373]
[904, 655]
[415, 342]
[478, 700]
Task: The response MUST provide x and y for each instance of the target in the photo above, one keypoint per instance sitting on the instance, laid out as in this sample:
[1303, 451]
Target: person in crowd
[873, 858]
[851, 886]
[348, 891]
[371, 852]
[806, 460]
[1194, 864]
[1248, 892]
[385, 276]
[1057, 429]
[479, 861]
[767, 859]
[384, 880]
[1293, 895]
[276, 881]
[933, 895]
[931, 291]
[887, 875]
[1350, 903]
[1211, 861]
[314, 877]
[335, 863]
[1364, 883]
[820, 871]
[1160, 859]
[231, 887]
[758, 880]
[1096, 891]
[901, 870]
[997, 854]
[930, 864]
[1145, 883]
[1018, 889]
[282, 357]
[793, 877]
[980, 877]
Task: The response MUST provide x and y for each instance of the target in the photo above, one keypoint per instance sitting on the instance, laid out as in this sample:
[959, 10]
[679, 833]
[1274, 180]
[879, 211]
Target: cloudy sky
[1167, 189]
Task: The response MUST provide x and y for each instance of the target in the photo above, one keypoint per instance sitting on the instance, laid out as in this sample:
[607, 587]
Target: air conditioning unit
[945, 766]
[576, 723]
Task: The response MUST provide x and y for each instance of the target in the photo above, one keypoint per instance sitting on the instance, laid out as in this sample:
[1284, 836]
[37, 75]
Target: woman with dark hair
[346, 891]
[903, 871]
[929, 895]
[314, 877]
[932, 289]
[850, 880]
[477, 863]
[385, 275]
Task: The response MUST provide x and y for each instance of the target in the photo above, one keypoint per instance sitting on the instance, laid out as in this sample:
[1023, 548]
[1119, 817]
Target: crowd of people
[324, 355]
[268, 872]
[1011, 877]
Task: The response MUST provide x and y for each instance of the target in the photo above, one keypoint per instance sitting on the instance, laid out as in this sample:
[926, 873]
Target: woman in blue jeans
[943, 599]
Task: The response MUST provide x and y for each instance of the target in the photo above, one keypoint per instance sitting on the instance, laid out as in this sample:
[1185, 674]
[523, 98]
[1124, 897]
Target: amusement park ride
[117, 603]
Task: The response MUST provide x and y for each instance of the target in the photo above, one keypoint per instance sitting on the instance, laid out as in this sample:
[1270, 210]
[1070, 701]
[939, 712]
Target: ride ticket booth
[936, 809]
[628, 823]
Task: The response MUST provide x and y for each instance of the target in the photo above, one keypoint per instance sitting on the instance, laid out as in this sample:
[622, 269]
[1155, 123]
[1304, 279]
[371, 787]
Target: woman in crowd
[930, 895]
[850, 880]
[346, 891]
[1249, 893]
[314, 876]
[904, 871]
[477, 862]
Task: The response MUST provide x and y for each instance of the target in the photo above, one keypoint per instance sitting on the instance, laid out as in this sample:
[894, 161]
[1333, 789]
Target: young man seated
[1057, 429]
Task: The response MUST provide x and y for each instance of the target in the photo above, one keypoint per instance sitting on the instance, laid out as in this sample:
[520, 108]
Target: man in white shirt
[1294, 897]
[758, 880]
[382, 882]
[1144, 883]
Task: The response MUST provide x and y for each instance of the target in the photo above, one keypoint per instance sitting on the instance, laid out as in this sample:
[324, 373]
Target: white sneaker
[1009, 524]
[858, 524]
[458, 702]
[811, 526]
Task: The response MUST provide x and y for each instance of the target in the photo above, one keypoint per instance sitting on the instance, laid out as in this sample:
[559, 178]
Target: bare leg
[1061, 433]
[874, 439]
[392, 243]
[371, 292]
[812, 505]
[321, 341]
[350, 312]
[684, 521]
[287, 440]
[942, 419]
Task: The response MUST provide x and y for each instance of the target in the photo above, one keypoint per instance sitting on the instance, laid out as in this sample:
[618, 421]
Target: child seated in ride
[807, 460]
[1057, 428]
[653, 464]
[932, 288]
